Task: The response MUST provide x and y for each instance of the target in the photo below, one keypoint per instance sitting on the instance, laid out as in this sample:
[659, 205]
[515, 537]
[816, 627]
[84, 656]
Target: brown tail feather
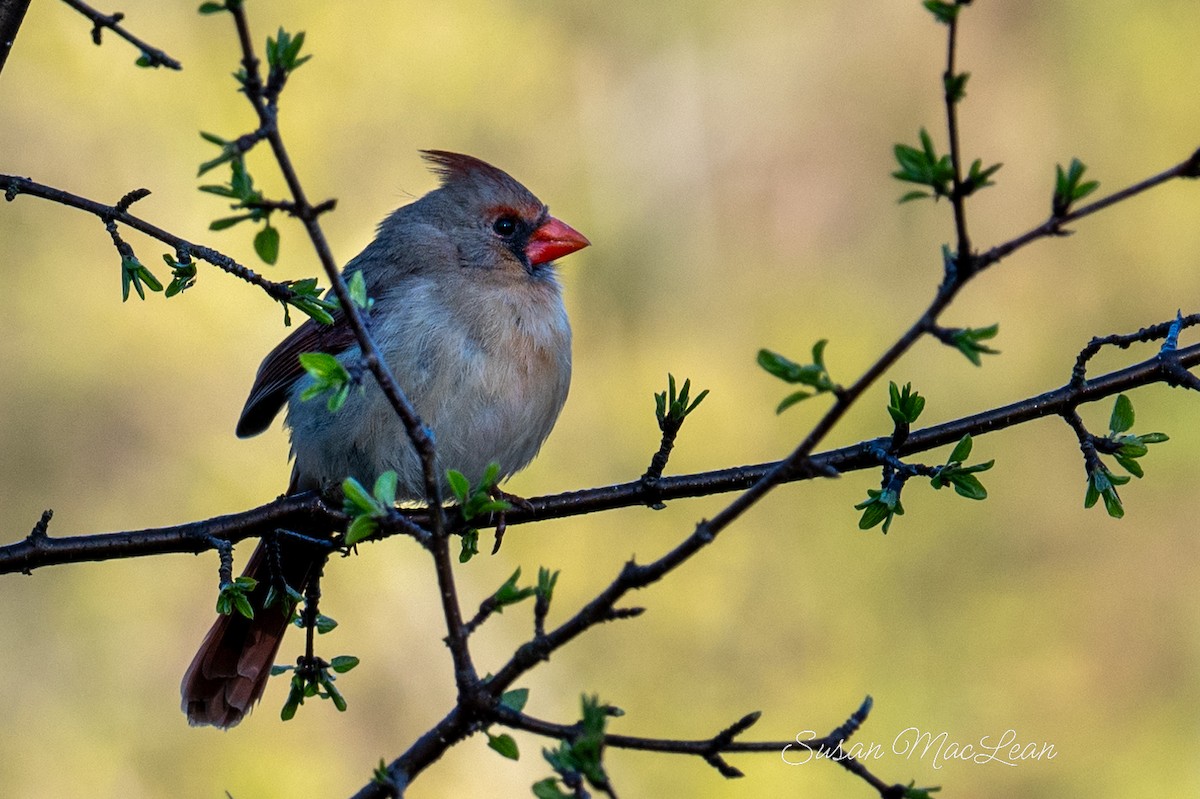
[229, 673]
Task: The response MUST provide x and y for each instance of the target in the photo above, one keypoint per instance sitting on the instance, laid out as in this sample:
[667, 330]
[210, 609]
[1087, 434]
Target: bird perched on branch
[468, 314]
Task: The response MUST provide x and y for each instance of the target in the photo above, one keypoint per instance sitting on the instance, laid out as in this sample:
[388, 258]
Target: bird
[467, 312]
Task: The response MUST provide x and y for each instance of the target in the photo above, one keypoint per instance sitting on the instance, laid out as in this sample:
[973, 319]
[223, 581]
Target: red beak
[553, 239]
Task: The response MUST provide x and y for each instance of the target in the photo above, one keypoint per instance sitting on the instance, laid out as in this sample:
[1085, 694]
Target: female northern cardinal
[469, 316]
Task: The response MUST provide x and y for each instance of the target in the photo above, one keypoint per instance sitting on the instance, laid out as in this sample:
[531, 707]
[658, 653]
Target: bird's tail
[229, 673]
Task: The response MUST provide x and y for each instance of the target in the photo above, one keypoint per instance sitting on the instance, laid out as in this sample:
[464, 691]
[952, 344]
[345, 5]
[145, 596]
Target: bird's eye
[505, 226]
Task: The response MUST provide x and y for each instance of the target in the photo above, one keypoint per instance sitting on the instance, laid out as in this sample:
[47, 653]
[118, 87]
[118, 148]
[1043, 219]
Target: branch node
[225, 552]
[856, 720]
[130, 198]
[617, 614]
[1191, 167]
[38, 533]
[102, 22]
[723, 768]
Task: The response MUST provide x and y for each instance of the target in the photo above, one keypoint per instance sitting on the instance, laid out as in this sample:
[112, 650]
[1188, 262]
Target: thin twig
[151, 56]
[13, 186]
[1188, 168]
[963, 258]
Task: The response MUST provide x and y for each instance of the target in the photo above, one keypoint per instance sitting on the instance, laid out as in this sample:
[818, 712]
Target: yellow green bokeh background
[730, 162]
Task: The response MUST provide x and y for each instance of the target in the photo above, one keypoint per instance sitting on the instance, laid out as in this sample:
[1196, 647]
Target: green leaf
[1130, 465]
[778, 365]
[1132, 447]
[793, 399]
[956, 86]
[944, 12]
[978, 177]
[911, 792]
[510, 594]
[289, 709]
[220, 191]
[358, 289]
[1102, 485]
[1122, 415]
[459, 485]
[211, 8]
[361, 528]
[357, 498]
[343, 663]
[968, 485]
[134, 274]
[335, 695]
[228, 222]
[548, 789]
[325, 624]
[276, 670]
[243, 605]
[505, 745]
[515, 699]
[814, 375]
[1069, 186]
[873, 514]
[470, 545]
[546, 582]
[266, 244]
[968, 341]
[905, 405]
[385, 488]
[962, 450]
[328, 375]
[1112, 504]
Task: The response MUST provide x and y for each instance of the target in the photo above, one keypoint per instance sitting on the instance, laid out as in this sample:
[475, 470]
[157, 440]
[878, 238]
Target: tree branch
[13, 186]
[12, 13]
[151, 56]
[308, 512]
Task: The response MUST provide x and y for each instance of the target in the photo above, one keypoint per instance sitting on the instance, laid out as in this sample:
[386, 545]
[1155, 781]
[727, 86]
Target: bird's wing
[281, 369]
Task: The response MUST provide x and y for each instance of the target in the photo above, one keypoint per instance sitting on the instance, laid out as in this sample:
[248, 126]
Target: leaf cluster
[1125, 448]
[969, 341]
[328, 376]
[923, 166]
[473, 502]
[955, 473]
[235, 596]
[672, 407]
[364, 508]
[1070, 187]
[581, 756]
[815, 376]
[504, 743]
[241, 190]
[314, 680]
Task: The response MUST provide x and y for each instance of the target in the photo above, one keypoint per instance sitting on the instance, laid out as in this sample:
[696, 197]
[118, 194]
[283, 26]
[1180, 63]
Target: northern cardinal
[469, 316]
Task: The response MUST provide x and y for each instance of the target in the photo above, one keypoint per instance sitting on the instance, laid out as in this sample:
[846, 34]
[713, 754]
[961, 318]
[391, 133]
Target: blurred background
[730, 163]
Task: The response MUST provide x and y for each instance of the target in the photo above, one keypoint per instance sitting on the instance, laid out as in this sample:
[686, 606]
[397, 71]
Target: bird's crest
[451, 166]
